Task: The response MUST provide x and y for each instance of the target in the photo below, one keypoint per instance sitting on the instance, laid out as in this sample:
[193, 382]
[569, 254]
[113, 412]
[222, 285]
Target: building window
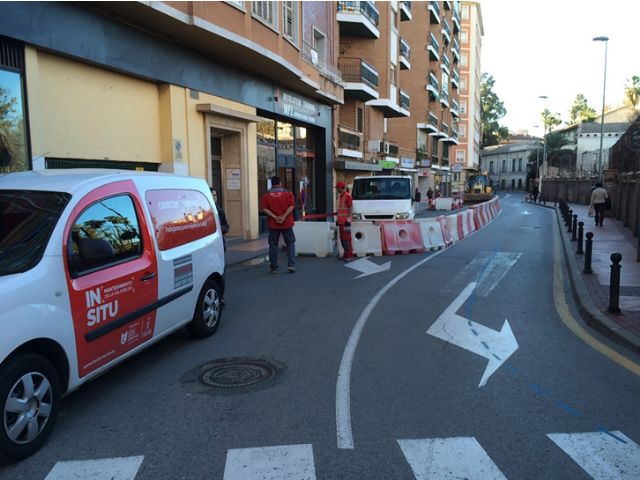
[464, 59]
[320, 45]
[236, 3]
[290, 21]
[463, 107]
[513, 164]
[504, 166]
[519, 164]
[465, 12]
[491, 167]
[464, 36]
[392, 74]
[462, 131]
[460, 156]
[13, 138]
[359, 119]
[463, 84]
[266, 11]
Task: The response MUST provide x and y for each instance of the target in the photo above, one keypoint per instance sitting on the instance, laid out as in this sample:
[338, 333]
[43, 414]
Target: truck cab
[383, 197]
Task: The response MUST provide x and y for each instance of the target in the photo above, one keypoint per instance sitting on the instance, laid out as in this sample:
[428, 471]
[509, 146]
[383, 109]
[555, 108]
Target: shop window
[13, 129]
[266, 150]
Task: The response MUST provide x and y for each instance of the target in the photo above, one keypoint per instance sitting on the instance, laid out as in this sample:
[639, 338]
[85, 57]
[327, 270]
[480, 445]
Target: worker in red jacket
[345, 207]
[278, 205]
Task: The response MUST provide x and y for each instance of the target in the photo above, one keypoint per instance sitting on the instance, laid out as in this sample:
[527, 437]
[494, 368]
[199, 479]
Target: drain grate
[238, 372]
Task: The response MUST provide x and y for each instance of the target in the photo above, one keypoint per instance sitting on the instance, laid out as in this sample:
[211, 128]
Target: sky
[544, 47]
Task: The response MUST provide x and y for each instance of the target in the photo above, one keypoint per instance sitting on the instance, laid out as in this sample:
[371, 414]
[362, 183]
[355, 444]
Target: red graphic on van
[180, 216]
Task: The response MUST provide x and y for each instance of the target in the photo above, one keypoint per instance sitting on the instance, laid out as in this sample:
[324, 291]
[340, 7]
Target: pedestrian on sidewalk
[345, 209]
[430, 198]
[224, 223]
[417, 196]
[599, 198]
[278, 205]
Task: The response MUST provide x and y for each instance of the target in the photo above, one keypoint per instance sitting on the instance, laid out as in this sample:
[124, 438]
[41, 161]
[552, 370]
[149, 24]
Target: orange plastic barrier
[401, 237]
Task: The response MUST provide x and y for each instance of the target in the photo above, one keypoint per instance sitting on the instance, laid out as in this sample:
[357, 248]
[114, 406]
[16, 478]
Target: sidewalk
[592, 290]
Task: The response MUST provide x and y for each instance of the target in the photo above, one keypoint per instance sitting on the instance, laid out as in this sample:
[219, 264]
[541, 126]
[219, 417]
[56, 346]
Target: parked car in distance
[95, 265]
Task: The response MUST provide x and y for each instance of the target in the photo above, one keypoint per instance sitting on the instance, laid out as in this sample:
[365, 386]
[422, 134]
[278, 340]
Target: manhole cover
[234, 373]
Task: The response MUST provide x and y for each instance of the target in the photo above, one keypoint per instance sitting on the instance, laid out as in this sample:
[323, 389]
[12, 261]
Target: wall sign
[233, 179]
[296, 107]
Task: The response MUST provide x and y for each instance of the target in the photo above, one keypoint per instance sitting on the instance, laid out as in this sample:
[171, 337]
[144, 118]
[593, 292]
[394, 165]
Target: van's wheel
[206, 317]
[29, 395]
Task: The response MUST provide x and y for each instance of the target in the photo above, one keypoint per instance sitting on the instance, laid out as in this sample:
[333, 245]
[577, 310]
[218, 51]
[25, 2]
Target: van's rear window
[27, 219]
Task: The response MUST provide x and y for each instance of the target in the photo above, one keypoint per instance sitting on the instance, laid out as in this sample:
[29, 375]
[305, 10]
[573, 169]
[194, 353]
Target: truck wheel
[29, 395]
[208, 311]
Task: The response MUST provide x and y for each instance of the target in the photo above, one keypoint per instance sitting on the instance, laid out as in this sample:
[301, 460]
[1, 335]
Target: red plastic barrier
[446, 233]
[401, 237]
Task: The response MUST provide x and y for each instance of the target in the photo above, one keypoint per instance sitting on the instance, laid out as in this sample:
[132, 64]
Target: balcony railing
[367, 9]
[455, 49]
[356, 70]
[446, 63]
[405, 11]
[444, 98]
[455, 78]
[434, 11]
[433, 120]
[405, 49]
[311, 56]
[446, 31]
[404, 99]
[454, 108]
[349, 139]
[456, 20]
[434, 47]
[422, 157]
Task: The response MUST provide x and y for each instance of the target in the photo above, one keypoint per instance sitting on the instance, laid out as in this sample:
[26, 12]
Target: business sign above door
[295, 106]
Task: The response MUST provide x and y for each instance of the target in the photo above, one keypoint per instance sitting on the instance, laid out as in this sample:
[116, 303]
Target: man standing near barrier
[278, 205]
[345, 207]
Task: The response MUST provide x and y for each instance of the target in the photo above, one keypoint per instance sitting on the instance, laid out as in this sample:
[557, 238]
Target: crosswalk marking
[603, 455]
[449, 459]
[119, 468]
[287, 462]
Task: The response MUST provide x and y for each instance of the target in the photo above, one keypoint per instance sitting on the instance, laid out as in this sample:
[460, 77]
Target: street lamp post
[544, 148]
[604, 90]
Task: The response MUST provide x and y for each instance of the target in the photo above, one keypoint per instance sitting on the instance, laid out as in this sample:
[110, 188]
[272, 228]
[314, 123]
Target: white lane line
[118, 468]
[493, 266]
[286, 462]
[449, 459]
[343, 384]
[603, 455]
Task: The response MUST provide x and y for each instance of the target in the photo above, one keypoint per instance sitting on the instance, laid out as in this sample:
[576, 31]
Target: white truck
[382, 197]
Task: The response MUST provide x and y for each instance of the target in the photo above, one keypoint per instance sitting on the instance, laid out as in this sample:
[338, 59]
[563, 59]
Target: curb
[593, 317]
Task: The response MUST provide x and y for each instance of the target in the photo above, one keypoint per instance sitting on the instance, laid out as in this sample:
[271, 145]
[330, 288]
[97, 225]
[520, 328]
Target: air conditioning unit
[314, 57]
[374, 145]
[384, 147]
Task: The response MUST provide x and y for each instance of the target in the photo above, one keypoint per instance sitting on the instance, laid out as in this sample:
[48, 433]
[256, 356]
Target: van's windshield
[27, 219]
[381, 188]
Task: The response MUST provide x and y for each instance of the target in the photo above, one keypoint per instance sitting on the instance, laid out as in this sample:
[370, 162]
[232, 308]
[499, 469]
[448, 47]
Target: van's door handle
[147, 276]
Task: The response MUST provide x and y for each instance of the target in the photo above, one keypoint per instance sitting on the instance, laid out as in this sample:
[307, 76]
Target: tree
[632, 91]
[581, 111]
[550, 120]
[492, 111]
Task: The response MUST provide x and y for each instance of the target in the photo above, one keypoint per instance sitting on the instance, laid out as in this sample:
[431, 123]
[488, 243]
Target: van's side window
[105, 233]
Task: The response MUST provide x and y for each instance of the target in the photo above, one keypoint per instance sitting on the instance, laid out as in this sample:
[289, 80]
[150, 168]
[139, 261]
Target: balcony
[360, 79]
[434, 12]
[433, 86]
[455, 79]
[433, 47]
[422, 158]
[444, 98]
[405, 55]
[349, 143]
[447, 5]
[446, 32]
[455, 50]
[456, 20]
[445, 64]
[455, 109]
[431, 125]
[404, 100]
[405, 11]
[358, 19]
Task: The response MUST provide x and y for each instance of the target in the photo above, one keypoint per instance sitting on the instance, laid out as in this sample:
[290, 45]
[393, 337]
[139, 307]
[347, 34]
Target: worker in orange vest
[345, 206]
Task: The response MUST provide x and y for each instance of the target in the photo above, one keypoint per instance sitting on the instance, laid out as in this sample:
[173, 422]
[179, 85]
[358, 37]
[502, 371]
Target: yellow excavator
[478, 189]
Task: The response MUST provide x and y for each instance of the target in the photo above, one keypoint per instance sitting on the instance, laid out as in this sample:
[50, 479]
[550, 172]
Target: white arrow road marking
[495, 346]
[287, 462]
[449, 459]
[367, 268]
[525, 212]
[120, 468]
[603, 455]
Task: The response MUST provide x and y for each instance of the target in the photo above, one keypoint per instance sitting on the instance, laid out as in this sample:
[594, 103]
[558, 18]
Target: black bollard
[587, 253]
[574, 228]
[614, 284]
[569, 217]
[579, 250]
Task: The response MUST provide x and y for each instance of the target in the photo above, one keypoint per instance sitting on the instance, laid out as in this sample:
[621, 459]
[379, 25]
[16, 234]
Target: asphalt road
[361, 390]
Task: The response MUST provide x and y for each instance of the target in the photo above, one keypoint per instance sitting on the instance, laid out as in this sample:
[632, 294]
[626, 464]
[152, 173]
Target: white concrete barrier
[366, 239]
[431, 233]
[314, 238]
[444, 203]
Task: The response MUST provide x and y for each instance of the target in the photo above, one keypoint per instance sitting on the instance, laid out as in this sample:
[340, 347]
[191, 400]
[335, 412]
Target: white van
[382, 197]
[95, 265]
